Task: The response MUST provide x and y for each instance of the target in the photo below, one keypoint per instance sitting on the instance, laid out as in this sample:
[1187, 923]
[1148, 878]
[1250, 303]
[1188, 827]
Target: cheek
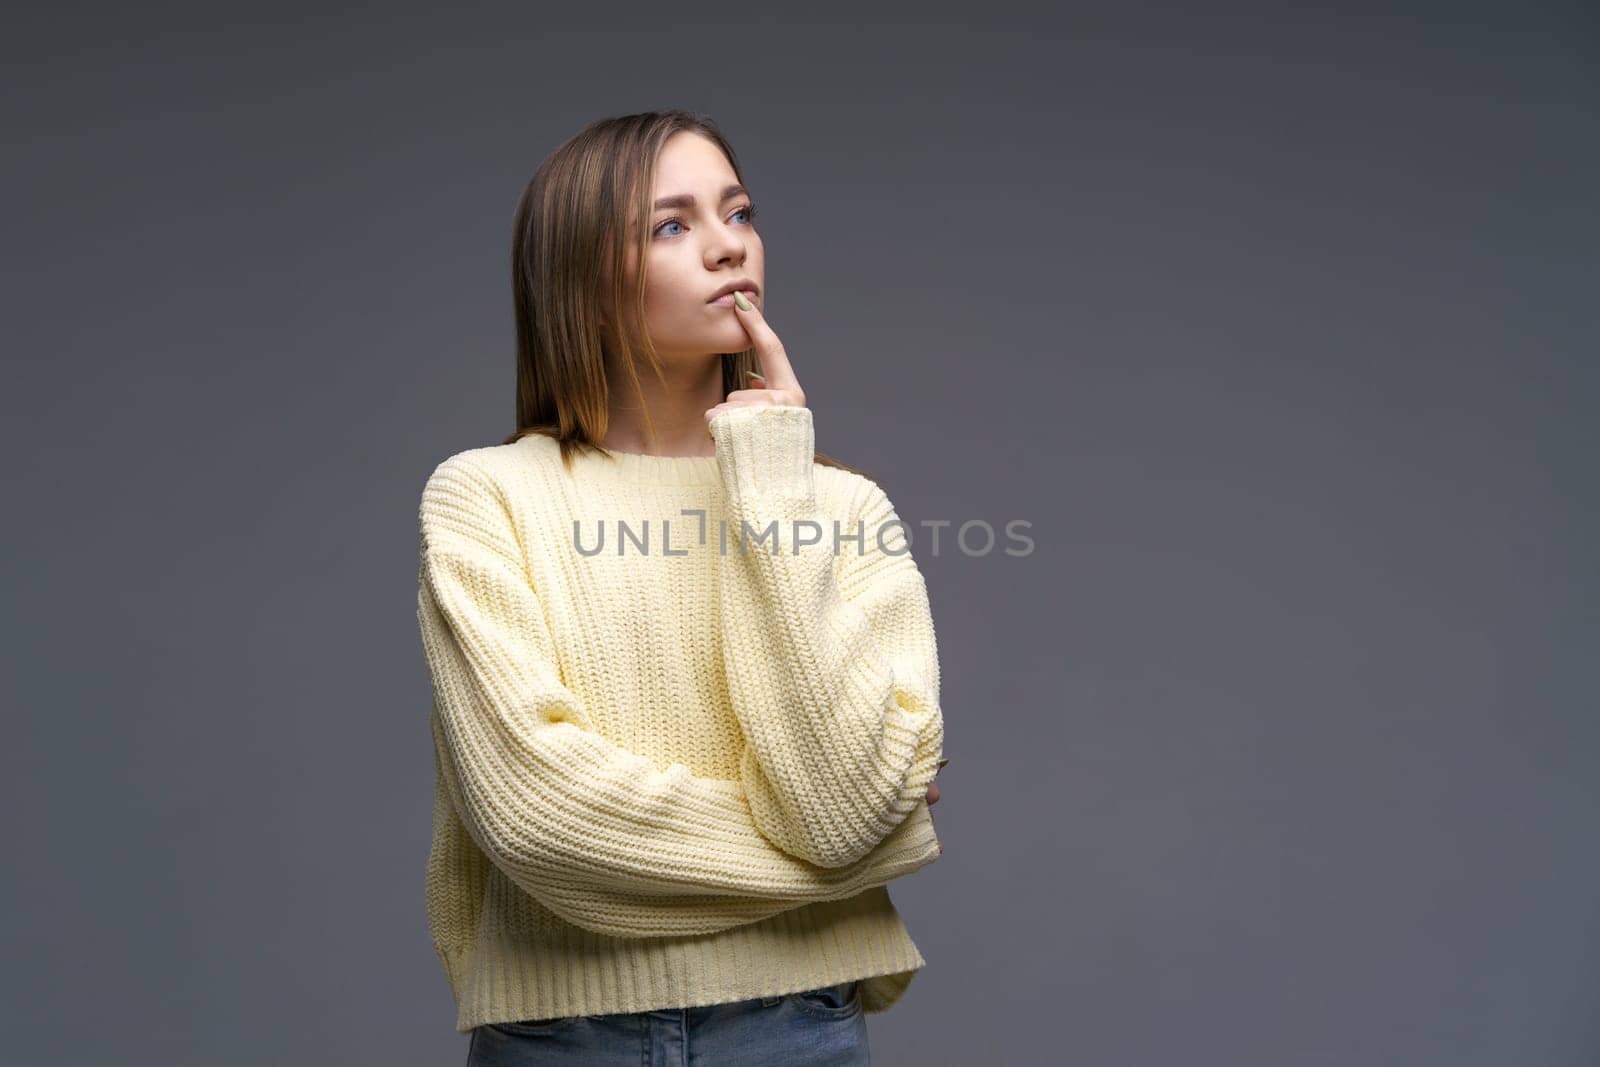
[658, 294]
[664, 307]
[667, 287]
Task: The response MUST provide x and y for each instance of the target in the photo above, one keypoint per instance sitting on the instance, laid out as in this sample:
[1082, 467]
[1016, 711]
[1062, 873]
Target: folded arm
[832, 662]
[596, 833]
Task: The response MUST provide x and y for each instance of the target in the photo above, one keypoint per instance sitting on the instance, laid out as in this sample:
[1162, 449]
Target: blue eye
[749, 210]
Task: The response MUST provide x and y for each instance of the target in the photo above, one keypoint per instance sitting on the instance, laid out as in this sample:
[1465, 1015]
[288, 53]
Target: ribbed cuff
[765, 450]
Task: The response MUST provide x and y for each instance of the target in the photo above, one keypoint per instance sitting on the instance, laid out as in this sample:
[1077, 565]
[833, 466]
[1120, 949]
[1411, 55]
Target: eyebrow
[687, 199]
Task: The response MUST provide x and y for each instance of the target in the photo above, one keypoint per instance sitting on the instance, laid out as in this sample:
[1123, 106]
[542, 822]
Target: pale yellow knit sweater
[684, 774]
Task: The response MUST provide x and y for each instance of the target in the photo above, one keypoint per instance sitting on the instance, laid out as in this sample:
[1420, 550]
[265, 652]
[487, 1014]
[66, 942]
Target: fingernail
[738, 298]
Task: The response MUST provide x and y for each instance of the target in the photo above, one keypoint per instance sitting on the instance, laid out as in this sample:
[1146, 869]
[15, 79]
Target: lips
[731, 287]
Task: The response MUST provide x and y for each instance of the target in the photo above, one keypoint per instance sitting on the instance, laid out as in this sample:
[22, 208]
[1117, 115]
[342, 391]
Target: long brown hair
[583, 203]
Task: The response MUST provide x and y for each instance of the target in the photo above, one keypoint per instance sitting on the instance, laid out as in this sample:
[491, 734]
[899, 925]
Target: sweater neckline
[641, 468]
[664, 470]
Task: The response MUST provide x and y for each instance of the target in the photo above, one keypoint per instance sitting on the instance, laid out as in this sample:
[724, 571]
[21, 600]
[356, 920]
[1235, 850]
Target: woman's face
[699, 241]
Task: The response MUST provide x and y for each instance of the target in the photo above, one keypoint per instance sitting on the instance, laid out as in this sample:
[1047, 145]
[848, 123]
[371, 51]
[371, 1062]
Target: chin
[733, 339]
[705, 346]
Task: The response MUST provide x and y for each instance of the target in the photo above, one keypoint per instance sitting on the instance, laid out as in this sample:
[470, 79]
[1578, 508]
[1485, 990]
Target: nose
[725, 249]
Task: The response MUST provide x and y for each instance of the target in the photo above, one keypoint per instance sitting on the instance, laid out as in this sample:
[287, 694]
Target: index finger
[775, 365]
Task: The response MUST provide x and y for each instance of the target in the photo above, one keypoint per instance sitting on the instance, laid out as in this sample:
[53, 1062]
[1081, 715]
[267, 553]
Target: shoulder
[472, 484]
[863, 506]
[492, 466]
[854, 495]
[460, 471]
[510, 494]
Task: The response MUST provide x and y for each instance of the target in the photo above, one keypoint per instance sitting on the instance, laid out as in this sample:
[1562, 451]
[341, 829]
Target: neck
[677, 406]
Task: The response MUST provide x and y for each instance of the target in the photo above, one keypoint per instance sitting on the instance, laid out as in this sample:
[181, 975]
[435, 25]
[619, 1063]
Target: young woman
[686, 690]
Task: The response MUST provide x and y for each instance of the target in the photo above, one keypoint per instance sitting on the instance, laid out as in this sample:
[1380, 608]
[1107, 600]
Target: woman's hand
[777, 384]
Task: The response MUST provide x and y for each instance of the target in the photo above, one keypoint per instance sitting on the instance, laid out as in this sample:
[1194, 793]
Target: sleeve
[831, 658]
[595, 833]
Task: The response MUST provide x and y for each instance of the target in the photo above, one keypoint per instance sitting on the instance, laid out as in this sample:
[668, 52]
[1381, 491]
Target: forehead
[689, 163]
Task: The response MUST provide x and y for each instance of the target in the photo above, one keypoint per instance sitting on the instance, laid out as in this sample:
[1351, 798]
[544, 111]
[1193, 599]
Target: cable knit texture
[685, 716]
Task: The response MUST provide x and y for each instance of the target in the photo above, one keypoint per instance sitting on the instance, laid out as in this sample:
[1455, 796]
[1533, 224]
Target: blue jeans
[813, 1028]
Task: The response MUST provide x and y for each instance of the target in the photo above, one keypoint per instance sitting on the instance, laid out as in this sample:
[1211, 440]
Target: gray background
[1281, 746]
